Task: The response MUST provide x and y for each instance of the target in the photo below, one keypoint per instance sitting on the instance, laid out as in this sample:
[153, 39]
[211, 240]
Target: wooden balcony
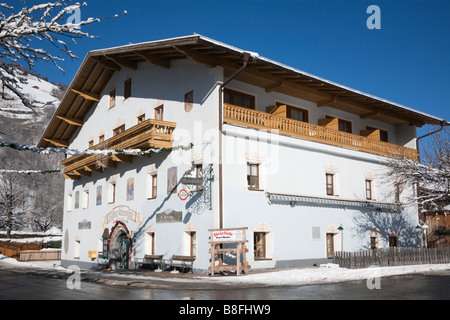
[145, 135]
[261, 120]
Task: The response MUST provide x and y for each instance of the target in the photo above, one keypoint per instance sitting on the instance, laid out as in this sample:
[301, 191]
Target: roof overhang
[99, 66]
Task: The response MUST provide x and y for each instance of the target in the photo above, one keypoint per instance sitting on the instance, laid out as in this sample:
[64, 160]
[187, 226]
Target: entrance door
[124, 252]
[330, 245]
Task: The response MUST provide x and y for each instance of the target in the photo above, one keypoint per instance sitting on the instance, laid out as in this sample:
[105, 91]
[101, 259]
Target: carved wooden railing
[289, 127]
[145, 135]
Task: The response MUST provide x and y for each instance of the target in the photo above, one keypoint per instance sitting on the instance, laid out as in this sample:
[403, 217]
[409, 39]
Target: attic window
[127, 89]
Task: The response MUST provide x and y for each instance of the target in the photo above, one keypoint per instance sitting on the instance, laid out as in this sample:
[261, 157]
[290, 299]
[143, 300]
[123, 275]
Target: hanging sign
[192, 181]
[183, 194]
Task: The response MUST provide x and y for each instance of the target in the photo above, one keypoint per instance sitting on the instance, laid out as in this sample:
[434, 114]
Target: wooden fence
[15, 249]
[41, 255]
[393, 256]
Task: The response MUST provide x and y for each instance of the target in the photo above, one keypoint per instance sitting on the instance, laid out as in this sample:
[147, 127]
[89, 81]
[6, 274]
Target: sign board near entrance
[228, 235]
[192, 181]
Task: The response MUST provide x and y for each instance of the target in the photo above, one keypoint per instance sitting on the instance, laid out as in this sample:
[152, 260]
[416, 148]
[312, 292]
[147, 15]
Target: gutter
[442, 124]
[245, 58]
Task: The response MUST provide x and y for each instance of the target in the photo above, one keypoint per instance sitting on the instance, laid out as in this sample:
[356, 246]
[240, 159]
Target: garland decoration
[30, 171]
[73, 152]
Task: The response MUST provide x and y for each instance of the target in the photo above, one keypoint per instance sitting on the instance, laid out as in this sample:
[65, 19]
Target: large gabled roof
[99, 66]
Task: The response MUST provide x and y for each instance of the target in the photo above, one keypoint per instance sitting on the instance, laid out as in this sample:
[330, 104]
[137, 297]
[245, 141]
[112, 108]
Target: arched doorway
[120, 247]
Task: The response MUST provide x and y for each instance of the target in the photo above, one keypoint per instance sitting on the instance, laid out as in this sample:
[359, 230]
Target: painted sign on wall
[169, 216]
[121, 213]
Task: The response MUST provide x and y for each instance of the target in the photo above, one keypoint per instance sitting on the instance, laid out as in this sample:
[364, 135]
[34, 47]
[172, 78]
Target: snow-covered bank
[43, 265]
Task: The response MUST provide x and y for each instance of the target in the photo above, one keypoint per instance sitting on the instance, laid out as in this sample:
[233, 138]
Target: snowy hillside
[37, 89]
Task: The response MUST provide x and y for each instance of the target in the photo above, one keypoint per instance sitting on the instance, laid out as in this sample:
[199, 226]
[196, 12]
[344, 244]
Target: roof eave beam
[58, 143]
[72, 121]
[87, 95]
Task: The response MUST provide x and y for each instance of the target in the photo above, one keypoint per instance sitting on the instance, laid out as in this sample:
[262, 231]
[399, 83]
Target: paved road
[51, 286]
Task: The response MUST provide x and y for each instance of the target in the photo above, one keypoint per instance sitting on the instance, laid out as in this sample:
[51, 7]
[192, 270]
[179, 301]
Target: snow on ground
[329, 273]
[325, 273]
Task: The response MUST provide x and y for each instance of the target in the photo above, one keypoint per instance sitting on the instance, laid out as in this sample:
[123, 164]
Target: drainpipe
[442, 124]
[245, 58]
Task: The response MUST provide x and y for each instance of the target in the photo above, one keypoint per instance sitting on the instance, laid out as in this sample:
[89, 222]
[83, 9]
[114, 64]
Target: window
[101, 138]
[239, 99]
[373, 242]
[343, 125]
[76, 249]
[193, 243]
[259, 245]
[141, 118]
[159, 112]
[369, 195]
[91, 143]
[69, 202]
[112, 192]
[383, 133]
[198, 174]
[149, 243]
[253, 176]
[295, 113]
[85, 199]
[398, 191]
[77, 200]
[393, 241]
[118, 130]
[127, 89]
[330, 184]
[112, 98]
[153, 186]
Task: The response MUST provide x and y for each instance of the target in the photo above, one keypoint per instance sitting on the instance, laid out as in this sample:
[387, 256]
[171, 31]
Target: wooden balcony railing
[145, 135]
[289, 127]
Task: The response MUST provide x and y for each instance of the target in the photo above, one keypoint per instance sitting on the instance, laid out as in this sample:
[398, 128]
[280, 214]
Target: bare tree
[13, 202]
[430, 175]
[23, 33]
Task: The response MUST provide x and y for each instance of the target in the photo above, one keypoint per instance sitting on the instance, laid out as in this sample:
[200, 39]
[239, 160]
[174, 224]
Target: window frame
[112, 98]
[249, 176]
[141, 118]
[368, 187]
[118, 130]
[112, 186]
[256, 256]
[154, 183]
[127, 88]
[328, 185]
[159, 112]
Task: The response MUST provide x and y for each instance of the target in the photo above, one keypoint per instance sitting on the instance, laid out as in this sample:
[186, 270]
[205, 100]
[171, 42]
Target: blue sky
[407, 61]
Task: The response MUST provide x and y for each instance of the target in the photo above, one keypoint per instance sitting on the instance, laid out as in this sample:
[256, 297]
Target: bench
[151, 260]
[183, 262]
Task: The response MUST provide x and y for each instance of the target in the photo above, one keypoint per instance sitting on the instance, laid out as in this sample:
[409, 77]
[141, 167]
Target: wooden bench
[183, 262]
[151, 260]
